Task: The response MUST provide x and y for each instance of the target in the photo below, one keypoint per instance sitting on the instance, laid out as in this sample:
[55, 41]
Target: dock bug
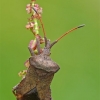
[36, 83]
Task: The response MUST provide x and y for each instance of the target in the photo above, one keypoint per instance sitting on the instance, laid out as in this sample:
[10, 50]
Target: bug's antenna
[66, 34]
[40, 22]
[70, 31]
[42, 27]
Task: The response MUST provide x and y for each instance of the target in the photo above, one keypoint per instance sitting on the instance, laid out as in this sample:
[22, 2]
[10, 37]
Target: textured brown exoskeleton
[36, 83]
[39, 74]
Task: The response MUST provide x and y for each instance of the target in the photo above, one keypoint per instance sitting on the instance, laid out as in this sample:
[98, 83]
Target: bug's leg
[14, 90]
[38, 45]
[31, 51]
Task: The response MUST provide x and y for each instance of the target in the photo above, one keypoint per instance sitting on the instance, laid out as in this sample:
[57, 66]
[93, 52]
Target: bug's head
[47, 47]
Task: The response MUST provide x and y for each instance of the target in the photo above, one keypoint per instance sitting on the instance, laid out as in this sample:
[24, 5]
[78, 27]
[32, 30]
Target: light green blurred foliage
[77, 53]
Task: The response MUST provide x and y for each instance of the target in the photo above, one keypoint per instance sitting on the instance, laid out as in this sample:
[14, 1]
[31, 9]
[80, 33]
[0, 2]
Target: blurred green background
[77, 53]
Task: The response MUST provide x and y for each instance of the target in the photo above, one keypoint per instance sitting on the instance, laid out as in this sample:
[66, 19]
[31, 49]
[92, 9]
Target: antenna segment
[66, 34]
[41, 23]
[70, 31]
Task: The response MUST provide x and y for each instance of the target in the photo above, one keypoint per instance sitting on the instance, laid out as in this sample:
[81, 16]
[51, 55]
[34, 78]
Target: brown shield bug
[36, 83]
